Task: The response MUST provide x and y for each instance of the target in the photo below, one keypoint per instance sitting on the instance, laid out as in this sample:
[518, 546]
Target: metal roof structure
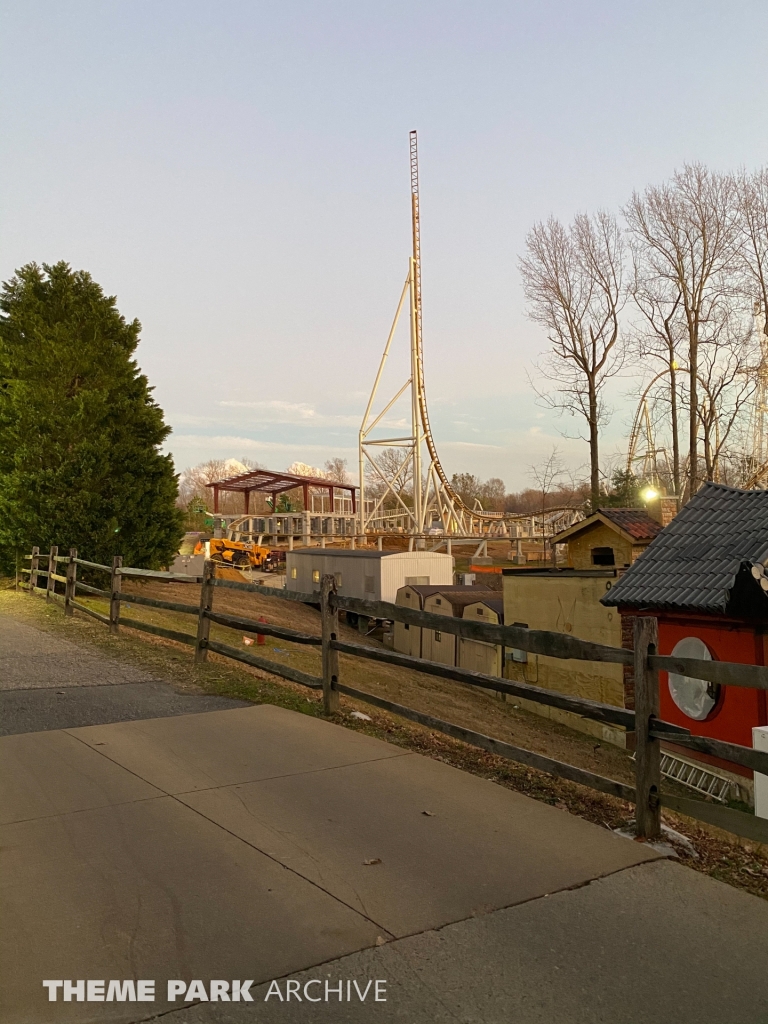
[345, 553]
[635, 524]
[458, 600]
[560, 572]
[494, 602]
[461, 588]
[695, 562]
[267, 481]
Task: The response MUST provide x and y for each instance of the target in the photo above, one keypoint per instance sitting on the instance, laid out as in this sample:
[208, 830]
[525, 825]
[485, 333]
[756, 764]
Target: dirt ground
[731, 859]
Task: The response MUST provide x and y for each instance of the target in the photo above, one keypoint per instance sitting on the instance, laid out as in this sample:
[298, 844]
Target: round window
[695, 697]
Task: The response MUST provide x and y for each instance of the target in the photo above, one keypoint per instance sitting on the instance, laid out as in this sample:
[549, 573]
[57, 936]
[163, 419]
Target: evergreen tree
[625, 492]
[80, 434]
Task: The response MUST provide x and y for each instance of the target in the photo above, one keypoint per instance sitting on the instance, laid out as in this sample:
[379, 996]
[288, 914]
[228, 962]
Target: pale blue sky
[237, 174]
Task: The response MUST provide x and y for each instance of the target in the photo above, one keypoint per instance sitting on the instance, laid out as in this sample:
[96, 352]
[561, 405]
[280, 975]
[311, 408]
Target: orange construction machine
[242, 555]
[238, 553]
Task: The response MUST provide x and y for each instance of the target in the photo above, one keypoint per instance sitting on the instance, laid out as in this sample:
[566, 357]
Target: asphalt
[47, 682]
[255, 843]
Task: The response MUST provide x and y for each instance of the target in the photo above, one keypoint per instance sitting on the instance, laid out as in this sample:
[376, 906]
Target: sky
[236, 174]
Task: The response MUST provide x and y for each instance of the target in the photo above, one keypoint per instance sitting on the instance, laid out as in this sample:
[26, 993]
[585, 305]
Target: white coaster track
[435, 506]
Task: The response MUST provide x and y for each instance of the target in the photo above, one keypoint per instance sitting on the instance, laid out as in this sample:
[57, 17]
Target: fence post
[115, 585]
[69, 590]
[33, 565]
[206, 604]
[330, 623]
[648, 750]
[51, 584]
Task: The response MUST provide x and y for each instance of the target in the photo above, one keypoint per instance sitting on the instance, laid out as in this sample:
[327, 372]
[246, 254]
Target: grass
[728, 858]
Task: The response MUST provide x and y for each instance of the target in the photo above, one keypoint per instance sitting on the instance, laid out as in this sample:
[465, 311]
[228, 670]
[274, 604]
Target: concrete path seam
[518, 903]
[292, 775]
[264, 853]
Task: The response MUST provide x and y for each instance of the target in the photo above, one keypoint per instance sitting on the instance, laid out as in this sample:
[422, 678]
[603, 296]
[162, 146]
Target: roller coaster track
[436, 499]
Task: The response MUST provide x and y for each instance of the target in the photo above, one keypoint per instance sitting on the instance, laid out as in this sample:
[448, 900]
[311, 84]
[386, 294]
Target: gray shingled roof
[694, 562]
[458, 600]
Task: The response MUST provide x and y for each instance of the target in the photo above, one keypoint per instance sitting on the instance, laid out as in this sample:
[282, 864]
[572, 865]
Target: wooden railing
[644, 721]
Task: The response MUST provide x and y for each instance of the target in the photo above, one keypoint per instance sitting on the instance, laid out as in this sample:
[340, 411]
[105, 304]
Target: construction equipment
[239, 554]
[275, 561]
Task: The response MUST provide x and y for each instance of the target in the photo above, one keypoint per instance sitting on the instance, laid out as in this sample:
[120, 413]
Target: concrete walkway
[257, 844]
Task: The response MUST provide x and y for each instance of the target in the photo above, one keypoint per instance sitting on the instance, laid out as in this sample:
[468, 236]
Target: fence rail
[723, 672]
[92, 565]
[169, 577]
[607, 713]
[151, 602]
[263, 628]
[295, 675]
[534, 641]
[90, 611]
[86, 588]
[648, 728]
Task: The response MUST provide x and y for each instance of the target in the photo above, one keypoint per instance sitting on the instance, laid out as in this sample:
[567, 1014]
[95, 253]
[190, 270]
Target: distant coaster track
[436, 505]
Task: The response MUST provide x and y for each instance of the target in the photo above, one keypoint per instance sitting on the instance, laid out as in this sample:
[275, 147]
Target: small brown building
[610, 537]
[445, 600]
[435, 644]
[476, 655]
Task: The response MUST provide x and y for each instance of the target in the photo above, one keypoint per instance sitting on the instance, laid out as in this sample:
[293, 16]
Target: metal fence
[644, 721]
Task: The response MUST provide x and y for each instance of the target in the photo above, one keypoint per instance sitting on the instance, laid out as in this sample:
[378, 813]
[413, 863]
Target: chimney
[663, 508]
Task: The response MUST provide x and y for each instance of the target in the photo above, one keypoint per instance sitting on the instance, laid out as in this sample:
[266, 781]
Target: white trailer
[369, 575]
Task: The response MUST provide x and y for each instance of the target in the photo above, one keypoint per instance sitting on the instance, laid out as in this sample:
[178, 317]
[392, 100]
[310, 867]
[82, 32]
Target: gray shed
[407, 638]
[369, 575]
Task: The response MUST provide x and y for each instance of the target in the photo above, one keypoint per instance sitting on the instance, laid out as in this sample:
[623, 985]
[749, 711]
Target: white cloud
[236, 443]
[300, 409]
[279, 412]
[471, 444]
[192, 449]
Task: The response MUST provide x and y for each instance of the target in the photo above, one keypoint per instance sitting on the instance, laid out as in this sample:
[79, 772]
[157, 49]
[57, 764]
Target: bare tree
[573, 494]
[545, 474]
[193, 481]
[728, 381]
[573, 283]
[492, 494]
[684, 243]
[752, 202]
[480, 495]
[468, 487]
[660, 337]
[389, 478]
[336, 469]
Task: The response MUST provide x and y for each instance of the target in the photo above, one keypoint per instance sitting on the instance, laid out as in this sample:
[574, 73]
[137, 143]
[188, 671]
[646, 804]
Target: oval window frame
[702, 690]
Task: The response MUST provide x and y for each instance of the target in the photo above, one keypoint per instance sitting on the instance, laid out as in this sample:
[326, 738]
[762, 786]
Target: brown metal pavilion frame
[265, 481]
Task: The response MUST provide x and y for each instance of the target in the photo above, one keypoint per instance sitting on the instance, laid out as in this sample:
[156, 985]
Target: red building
[703, 579]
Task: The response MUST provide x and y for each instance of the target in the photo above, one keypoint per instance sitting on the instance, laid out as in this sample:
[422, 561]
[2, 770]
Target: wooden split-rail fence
[649, 730]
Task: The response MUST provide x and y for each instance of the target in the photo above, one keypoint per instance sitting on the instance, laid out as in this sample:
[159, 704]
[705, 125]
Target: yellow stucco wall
[570, 606]
[598, 536]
